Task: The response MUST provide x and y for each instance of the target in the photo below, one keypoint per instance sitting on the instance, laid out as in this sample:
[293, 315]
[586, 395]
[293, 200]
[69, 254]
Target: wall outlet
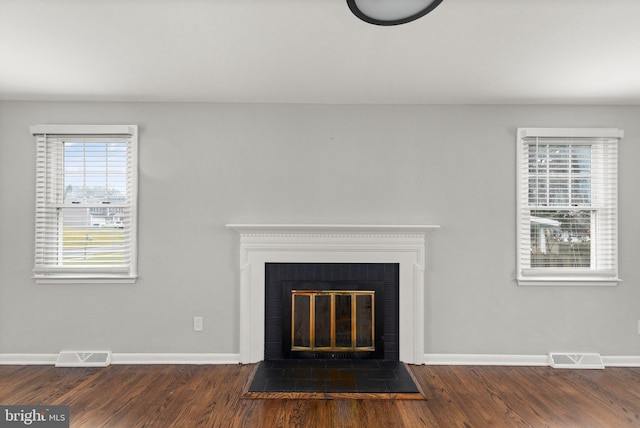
[638, 327]
[197, 324]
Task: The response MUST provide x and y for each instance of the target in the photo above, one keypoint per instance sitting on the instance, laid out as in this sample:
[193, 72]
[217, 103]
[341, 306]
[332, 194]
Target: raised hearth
[329, 379]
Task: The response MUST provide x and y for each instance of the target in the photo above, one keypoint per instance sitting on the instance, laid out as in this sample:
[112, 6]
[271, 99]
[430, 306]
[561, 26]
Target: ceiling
[316, 51]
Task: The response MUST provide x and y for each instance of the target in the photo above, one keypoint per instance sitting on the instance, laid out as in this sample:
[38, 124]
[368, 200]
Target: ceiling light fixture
[391, 12]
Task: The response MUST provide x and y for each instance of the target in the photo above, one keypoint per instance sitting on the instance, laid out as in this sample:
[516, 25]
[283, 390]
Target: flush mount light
[391, 12]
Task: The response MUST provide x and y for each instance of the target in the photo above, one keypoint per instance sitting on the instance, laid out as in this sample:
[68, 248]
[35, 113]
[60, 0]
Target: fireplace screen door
[332, 320]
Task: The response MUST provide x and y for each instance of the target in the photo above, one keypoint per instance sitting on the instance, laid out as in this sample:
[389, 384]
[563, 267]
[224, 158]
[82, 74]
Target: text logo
[34, 416]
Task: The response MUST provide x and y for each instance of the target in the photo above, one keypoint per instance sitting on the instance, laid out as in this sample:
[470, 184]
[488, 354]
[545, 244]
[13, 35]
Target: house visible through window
[567, 206]
[86, 192]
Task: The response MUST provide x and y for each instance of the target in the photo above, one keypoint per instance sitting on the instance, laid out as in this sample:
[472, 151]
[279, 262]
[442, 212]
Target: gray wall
[205, 165]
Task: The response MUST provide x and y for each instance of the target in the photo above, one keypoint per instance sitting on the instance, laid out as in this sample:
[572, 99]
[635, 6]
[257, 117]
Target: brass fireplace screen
[332, 321]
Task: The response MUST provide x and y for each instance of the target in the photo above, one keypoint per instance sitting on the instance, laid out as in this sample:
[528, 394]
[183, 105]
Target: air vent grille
[559, 360]
[83, 359]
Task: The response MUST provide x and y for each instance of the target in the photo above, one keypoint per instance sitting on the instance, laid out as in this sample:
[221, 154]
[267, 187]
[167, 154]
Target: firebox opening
[332, 321]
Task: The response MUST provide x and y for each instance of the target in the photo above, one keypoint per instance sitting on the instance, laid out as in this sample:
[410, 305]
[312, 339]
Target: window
[567, 206]
[86, 193]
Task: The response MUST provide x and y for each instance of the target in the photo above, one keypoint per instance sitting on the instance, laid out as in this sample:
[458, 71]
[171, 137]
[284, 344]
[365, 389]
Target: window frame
[71, 275]
[565, 276]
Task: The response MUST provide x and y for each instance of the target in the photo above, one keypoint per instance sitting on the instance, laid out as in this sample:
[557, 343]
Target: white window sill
[571, 282]
[86, 280]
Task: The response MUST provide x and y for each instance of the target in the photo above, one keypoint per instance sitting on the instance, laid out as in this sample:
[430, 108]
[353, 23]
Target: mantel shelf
[331, 228]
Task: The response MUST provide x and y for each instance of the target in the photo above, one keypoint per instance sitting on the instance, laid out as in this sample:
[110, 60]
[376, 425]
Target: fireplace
[261, 244]
[331, 311]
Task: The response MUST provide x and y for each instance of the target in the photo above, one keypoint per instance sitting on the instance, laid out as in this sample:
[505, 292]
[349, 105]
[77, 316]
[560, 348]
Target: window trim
[528, 276]
[68, 276]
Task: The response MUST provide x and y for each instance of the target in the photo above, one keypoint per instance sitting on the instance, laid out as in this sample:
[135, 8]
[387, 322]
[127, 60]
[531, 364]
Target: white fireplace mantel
[318, 243]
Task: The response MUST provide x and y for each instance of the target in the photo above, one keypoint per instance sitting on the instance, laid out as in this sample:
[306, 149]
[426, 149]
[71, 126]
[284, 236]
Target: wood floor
[211, 396]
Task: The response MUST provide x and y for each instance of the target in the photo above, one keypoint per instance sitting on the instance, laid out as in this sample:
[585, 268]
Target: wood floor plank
[211, 396]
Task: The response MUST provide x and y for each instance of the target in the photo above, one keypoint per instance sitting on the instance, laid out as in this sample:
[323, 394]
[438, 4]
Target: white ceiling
[316, 51]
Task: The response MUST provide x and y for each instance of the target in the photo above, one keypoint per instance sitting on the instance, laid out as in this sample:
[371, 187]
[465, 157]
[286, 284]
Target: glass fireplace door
[332, 320]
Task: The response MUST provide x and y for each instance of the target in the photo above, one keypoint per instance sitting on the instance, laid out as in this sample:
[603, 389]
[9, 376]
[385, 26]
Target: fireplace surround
[290, 243]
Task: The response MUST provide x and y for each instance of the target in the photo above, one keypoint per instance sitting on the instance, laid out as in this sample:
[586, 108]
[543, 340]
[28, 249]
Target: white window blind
[568, 206]
[86, 193]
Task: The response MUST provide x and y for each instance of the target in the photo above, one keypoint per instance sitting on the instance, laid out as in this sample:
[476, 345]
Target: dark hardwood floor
[211, 396]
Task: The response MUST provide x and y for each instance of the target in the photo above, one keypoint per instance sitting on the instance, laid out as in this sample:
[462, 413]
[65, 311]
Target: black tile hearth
[333, 376]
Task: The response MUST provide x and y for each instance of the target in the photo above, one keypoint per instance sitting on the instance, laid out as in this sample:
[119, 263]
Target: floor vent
[575, 361]
[83, 359]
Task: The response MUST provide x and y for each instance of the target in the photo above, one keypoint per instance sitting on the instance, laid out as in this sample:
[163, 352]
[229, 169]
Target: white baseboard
[128, 358]
[515, 360]
[632, 361]
[27, 359]
[202, 358]
[485, 360]
[175, 358]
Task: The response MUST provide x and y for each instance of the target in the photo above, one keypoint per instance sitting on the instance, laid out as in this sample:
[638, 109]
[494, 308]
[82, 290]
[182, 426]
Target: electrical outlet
[197, 324]
[638, 327]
